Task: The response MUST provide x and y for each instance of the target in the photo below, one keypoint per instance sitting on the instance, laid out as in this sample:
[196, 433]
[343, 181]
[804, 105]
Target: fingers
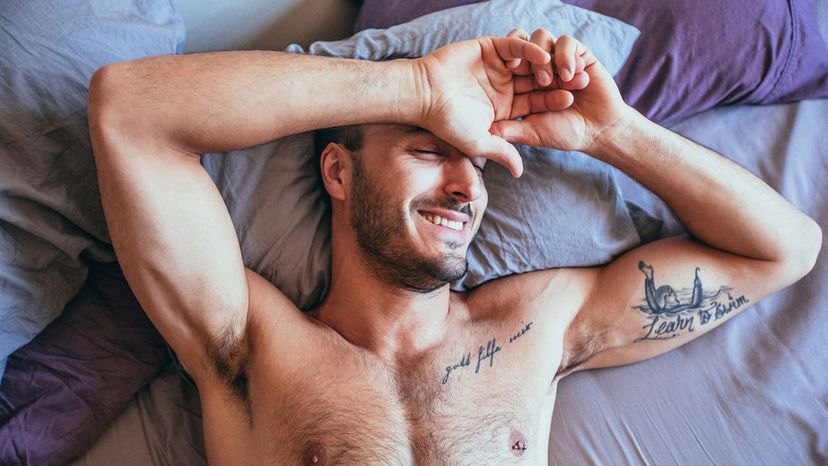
[497, 149]
[543, 72]
[565, 49]
[514, 131]
[540, 102]
[524, 84]
[518, 66]
[511, 48]
[570, 58]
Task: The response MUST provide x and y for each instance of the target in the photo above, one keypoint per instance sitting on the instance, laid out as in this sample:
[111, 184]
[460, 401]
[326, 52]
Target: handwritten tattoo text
[667, 316]
[483, 353]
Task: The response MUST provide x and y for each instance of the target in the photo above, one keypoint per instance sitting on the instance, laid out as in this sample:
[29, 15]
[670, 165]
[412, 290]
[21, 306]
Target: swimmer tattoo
[668, 316]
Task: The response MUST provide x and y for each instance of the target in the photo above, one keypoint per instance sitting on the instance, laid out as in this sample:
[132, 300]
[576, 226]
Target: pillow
[564, 211]
[693, 56]
[64, 388]
[51, 220]
[61, 390]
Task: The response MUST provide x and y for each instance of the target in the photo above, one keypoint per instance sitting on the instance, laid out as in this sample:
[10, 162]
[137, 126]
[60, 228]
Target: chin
[448, 268]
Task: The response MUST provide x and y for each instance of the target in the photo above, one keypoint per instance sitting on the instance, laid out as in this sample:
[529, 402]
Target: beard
[387, 252]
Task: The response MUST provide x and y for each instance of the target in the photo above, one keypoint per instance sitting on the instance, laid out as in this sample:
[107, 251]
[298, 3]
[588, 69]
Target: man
[393, 368]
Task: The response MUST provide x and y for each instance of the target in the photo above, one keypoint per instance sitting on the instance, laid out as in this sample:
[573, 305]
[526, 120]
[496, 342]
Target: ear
[335, 164]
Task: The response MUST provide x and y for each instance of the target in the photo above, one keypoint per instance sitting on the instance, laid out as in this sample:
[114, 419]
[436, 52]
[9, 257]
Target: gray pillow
[51, 220]
[564, 211]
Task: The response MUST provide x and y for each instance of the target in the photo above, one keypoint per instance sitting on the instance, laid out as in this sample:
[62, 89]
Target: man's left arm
[746, 241]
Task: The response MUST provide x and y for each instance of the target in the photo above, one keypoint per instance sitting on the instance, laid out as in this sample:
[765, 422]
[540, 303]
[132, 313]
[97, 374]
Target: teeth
[437, 220]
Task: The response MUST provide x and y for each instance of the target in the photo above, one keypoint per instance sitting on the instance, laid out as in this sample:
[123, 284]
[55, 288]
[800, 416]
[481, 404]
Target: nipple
[315, 455]
[518, 443]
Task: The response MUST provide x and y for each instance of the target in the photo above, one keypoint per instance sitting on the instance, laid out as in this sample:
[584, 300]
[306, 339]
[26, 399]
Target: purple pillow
[692, 56]
[65, 387]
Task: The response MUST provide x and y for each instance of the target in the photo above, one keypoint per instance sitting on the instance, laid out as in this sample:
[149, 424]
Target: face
[416, 204]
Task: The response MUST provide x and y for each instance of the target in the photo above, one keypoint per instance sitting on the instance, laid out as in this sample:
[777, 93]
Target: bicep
[662, 295]
[175, 241]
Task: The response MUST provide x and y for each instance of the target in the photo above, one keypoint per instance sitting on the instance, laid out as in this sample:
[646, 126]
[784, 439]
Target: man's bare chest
[486, 399]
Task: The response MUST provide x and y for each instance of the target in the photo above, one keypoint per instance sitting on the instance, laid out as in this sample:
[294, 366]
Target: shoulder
[561, 290]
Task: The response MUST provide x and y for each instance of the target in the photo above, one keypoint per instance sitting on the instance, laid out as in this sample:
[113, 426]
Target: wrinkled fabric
[752, 391]
[692, 55]
[51, 221]
[62, 390]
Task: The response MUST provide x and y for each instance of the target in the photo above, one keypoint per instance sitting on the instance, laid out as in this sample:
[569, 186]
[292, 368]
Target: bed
[98, 386]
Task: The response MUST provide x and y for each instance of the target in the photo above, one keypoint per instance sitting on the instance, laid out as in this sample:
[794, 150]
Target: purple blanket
[62, 390]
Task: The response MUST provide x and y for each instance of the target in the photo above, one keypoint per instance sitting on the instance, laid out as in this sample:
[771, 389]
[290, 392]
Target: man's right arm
[151, 119]
[221, 101]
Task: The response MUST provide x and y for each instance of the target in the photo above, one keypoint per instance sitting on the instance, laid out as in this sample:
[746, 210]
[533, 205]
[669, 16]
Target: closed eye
[480, 168]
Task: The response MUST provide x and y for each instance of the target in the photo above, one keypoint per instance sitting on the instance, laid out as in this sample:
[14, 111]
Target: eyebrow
[416, 132]
[416, 129]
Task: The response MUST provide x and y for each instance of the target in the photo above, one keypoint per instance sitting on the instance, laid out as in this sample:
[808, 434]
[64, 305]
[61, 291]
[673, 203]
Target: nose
[464, 183]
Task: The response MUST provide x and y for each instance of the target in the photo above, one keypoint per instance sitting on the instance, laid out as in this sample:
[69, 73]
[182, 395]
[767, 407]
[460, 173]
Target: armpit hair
[580, 345]
[229, 354]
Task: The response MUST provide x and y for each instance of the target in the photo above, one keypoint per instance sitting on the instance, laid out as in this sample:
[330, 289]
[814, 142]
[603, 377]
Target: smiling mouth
[444, 222]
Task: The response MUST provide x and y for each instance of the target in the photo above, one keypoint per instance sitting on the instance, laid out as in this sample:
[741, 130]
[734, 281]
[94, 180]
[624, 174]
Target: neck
[386, 319]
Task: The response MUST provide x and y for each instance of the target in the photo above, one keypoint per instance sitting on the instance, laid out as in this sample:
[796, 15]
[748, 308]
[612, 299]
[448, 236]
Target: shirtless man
[393, 367]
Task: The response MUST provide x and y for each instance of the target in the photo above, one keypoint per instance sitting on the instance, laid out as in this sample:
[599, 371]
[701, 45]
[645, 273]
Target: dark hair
[349, 137]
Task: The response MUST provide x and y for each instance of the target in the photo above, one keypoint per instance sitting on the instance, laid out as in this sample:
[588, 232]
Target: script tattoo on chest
[670, 312]
[484, 354]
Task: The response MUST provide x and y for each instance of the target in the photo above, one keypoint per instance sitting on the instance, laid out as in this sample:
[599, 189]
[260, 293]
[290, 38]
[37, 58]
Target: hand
[596, 103]
[467, 87]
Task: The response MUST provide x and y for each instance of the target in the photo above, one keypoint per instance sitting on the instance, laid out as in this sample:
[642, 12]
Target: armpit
[580, 344]
[229, 354]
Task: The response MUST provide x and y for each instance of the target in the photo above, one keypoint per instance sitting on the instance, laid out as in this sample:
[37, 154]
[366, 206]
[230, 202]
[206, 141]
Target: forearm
[220, 101]
[719, 202]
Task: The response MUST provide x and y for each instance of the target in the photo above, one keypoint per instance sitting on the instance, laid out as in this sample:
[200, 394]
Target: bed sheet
[754, 391]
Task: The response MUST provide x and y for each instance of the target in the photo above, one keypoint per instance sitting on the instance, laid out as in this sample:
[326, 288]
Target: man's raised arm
[220, 101]
[747, 241]
[151, 119]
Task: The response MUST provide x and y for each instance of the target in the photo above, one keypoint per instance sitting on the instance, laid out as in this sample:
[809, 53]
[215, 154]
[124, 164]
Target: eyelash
[482, 170]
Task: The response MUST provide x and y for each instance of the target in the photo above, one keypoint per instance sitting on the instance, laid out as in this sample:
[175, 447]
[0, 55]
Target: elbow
[804, 256]
[108, 122]
[814, 246]
[100, 105]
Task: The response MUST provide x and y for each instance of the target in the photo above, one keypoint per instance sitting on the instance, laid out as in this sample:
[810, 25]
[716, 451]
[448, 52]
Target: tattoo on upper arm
[670, 312]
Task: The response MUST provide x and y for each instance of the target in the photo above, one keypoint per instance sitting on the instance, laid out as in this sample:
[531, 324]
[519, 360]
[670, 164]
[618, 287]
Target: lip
[440, 229]
[452, 215]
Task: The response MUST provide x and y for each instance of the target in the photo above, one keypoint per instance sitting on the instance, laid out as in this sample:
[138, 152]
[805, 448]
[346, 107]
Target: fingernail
[566, 75]
[543, 78]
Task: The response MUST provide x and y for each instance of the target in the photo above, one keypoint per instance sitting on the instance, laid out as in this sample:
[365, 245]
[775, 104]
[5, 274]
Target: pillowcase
[564, 211]
[51, 220]
[65, 387]
[692, 56]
